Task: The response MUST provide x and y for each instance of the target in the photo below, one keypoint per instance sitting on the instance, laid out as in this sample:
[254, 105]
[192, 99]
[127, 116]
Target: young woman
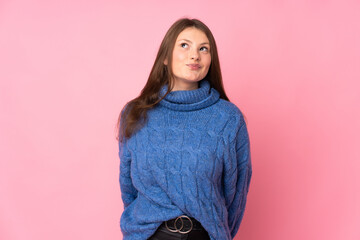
[184, 149]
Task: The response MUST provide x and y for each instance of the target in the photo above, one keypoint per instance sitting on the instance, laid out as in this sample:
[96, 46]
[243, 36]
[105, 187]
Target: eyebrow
[191, 42]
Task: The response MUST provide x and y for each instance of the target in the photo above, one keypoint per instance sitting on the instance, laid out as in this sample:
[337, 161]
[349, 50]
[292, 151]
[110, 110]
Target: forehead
[192, 33]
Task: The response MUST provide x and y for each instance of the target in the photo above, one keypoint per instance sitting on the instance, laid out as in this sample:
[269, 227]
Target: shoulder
[229, 110]
[233, 116]
[125, 109]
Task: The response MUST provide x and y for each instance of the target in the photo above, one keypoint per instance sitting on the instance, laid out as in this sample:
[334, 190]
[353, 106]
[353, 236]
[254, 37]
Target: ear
[165, 62]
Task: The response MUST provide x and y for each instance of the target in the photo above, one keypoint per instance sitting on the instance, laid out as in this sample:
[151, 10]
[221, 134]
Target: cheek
[178, 56]
[207, 61]
[181, 58]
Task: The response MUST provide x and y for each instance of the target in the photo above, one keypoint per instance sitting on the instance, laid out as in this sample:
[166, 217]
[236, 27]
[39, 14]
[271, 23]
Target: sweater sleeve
[237, 176]
[128, 191]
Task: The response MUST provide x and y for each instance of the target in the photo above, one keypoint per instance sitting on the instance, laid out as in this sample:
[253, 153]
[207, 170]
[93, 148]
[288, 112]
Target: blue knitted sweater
[191, 158]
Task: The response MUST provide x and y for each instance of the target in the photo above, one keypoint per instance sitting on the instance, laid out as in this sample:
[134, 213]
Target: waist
[182, 224]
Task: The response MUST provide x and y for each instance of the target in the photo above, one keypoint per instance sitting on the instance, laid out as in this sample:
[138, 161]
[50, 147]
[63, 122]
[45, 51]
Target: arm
[237, 176]
[128, 191]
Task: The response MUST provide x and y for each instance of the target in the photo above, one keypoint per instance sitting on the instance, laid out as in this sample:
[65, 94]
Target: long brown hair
[134, 113]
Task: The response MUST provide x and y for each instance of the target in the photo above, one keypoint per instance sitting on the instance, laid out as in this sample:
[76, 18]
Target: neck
[190, 100]
[180, 86]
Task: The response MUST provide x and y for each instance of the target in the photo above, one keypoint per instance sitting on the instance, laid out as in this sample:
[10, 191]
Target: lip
[193, 66]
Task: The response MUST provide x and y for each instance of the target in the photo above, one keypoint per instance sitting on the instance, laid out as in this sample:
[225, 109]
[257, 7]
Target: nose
[194, 55]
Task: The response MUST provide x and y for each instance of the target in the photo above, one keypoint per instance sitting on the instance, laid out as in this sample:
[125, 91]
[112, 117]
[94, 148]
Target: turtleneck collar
[188, 100]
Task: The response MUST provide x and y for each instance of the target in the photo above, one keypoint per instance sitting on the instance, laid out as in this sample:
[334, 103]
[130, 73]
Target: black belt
[182, 224]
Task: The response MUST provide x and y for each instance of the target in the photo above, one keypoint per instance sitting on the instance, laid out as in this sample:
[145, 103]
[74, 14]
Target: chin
[195, 79]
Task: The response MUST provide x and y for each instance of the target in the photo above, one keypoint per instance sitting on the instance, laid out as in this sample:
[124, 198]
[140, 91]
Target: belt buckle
[182, 225]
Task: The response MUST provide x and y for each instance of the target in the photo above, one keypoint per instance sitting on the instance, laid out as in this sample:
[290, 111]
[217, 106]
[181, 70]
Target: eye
[182, 45]
[205, 48]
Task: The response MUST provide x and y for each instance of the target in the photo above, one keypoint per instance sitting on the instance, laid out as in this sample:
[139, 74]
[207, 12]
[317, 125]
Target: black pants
[162, 233]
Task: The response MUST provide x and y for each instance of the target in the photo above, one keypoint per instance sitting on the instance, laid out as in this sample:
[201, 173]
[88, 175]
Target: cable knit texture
[191, 158]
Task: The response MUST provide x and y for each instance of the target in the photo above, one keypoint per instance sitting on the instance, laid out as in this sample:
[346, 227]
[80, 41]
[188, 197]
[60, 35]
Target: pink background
[68, 67]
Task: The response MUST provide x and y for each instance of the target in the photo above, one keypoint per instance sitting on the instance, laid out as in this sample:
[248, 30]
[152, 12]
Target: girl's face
[191, 58]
